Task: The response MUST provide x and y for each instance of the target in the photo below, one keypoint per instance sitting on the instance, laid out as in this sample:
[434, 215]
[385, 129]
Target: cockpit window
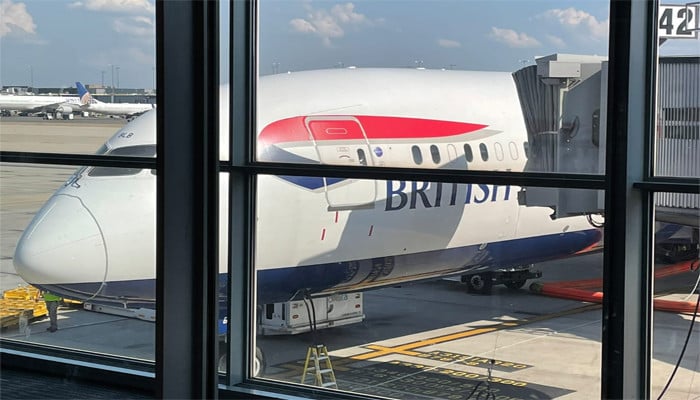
[146, 150]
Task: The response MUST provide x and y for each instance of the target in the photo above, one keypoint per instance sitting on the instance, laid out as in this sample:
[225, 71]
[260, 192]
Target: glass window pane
[385, 76]
[417, 286]
[52, 87]
[676, 251]
[89, 240]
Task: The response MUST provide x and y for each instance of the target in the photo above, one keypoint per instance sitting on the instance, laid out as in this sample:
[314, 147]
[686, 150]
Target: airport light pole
[117, 76]
[112, 65]
[31, 77]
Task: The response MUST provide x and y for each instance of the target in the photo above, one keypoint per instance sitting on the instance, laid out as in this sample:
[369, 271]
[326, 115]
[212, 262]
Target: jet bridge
[564, 99]
[563, 102]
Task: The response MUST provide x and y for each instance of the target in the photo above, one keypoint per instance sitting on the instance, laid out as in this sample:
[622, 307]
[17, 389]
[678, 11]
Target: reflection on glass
[676, 276]
[400, 74]
[363, 263]
[89, 239]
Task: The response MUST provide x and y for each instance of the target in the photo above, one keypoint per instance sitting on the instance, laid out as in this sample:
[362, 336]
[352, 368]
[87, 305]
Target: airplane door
[340, 140]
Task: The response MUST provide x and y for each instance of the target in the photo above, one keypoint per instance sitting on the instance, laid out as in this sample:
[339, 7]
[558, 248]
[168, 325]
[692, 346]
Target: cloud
[300, 25]
[448, 43]
[135, 26]
[556, 41]
[329, 24]
[513, 38]
[577, 19]
[13, 17]
[118, 6]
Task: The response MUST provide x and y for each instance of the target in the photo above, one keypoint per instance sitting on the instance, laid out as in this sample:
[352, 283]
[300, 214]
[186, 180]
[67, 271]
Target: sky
[55, 43]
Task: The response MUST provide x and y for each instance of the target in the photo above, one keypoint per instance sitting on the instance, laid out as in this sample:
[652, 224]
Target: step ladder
[320, 368]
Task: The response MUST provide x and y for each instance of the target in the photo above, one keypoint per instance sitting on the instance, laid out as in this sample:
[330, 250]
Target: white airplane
[34, 104]
[88, 103]
[95, 237]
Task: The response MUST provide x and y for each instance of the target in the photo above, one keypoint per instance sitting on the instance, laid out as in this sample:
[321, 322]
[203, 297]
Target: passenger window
[499, 151]
[484, 152]
[148, 150]
[435, 153]
[361, 157]
[468, 155]
[513, 150]
[417, 156]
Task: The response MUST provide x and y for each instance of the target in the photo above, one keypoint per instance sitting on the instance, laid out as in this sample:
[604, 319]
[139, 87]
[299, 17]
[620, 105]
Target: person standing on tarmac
[52, 301]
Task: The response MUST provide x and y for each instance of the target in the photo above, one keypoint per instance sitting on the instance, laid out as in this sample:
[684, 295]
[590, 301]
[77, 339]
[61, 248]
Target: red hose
[573, 290]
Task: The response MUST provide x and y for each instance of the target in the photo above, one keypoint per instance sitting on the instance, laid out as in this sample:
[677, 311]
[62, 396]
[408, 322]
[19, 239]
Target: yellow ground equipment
[21, 303]
[321, 368]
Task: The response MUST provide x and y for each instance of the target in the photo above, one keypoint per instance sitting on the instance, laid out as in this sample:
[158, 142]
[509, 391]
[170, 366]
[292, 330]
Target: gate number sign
[678, 21]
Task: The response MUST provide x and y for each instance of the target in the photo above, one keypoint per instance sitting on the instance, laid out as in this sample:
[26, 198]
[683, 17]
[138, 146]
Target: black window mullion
[186, 201]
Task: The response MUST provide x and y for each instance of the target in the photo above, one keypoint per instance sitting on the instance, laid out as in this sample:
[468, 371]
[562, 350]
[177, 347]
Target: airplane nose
[62, 244]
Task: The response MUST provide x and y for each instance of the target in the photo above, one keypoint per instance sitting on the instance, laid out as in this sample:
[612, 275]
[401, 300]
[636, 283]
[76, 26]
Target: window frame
[628, 184]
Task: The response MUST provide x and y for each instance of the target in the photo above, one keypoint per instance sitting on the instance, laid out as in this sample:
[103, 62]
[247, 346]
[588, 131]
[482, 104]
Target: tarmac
[429, 340]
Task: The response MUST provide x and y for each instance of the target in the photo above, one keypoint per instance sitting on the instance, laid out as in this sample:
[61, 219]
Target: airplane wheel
[515, 284]
[259, 363]
[479, 283]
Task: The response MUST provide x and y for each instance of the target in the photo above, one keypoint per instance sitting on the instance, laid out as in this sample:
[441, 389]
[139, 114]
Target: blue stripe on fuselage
[282, 284]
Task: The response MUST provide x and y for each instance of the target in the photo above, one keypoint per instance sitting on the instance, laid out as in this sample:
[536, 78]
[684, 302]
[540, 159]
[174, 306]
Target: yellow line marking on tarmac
[406, 349]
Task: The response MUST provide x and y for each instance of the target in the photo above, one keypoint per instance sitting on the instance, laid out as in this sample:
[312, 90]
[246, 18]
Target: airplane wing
[52, 107]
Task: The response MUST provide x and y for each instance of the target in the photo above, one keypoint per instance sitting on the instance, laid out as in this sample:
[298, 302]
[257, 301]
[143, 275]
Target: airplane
[35, 104]
[88, 103]
[94, 239]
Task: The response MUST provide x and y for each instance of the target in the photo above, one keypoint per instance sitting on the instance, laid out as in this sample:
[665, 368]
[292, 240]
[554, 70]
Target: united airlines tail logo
[85, 98]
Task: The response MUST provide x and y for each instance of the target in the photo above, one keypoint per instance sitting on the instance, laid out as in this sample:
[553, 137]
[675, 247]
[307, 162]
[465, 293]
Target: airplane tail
[85, 96]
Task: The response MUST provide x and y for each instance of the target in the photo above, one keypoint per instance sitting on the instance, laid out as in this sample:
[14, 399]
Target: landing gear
[671, 253]
[513, 278]
[515, 285]
[479, 283]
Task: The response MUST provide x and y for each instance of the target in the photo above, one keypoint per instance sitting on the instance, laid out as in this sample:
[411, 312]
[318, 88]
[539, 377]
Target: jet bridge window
[148, 150]
[468, 154]
[417, 155]
[435, 153]
[484, 152]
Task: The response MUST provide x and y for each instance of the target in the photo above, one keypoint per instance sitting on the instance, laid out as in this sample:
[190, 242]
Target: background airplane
[95, 237]
[65, 105]
[88, 103]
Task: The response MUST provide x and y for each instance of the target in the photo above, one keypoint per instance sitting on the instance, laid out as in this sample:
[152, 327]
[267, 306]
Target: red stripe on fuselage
[294, 129]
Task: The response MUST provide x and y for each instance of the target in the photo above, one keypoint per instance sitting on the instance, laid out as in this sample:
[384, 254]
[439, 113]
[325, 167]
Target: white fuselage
[117, 108]
[97, 233]
[35, 103]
